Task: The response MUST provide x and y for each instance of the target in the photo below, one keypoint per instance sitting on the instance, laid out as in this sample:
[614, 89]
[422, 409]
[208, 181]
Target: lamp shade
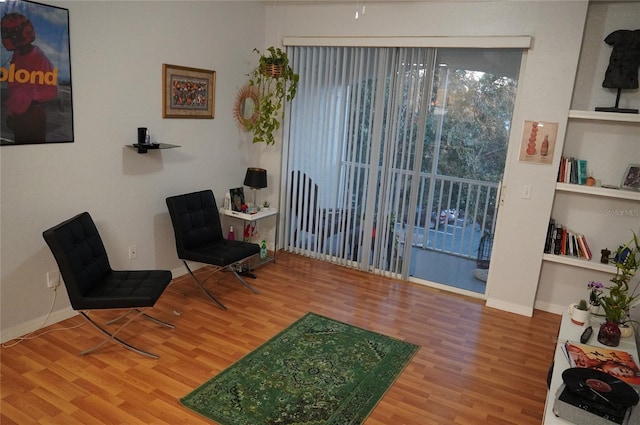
[256, 178]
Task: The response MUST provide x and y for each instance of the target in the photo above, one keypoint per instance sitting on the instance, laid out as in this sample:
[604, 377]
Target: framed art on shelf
[188, 92]
[631, 178]
[237, 199]
[35, 70]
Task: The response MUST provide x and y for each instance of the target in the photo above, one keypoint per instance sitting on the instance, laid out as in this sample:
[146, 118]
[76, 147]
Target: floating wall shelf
[142, 148]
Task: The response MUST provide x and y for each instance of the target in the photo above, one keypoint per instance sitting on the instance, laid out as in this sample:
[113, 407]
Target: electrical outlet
[133, 252]
[53, 279]
[526, 191]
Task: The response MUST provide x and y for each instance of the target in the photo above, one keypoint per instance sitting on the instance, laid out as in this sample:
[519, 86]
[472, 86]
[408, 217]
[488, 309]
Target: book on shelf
[557, 240]
[565, 169]
[584, 246]
[560, 178]
[548, 242]
[563, 241]
[582, 171]
[572, 170]
[616, 363]
[568, 169]
[574, 251]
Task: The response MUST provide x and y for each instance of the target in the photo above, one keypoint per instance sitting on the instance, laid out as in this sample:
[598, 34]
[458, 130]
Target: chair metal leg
[211, 297]
[125, 314]
[111, 336]
[146, 316]
[244, 282]
[156, 320]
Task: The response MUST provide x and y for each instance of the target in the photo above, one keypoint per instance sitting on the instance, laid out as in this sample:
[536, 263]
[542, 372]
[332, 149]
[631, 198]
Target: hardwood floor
[476, 366]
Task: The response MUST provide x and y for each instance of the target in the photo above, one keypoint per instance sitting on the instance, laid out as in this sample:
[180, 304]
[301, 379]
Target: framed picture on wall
[35, 63]
[538, 142]
[188, 92]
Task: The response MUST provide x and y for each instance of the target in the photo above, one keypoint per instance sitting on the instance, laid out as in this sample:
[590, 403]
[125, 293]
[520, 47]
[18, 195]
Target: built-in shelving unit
[584, 203]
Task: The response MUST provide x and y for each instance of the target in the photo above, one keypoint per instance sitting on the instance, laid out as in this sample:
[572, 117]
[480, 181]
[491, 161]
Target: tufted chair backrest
[80, 254]
[196, 220]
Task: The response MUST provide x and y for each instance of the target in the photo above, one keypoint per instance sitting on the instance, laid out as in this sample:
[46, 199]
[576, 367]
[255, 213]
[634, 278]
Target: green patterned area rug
[317, 371]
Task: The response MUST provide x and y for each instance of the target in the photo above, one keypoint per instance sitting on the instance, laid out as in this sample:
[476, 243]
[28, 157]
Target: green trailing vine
[276, 84]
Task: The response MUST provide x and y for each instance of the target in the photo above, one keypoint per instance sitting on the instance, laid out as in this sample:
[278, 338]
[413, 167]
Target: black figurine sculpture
[604, 258]
[622, 72]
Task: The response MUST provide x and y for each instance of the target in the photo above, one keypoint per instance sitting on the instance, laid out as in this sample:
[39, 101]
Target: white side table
[251, 218]
[572, 332]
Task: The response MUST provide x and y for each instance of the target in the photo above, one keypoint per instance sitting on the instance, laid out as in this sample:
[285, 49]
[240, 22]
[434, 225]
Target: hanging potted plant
[276, 84]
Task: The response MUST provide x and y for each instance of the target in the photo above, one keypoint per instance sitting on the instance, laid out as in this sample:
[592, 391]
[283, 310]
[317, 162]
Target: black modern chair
[198, 231]
[92, 284]
[314, 220]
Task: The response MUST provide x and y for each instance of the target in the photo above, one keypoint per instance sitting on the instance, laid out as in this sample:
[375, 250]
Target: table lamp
[256, 178]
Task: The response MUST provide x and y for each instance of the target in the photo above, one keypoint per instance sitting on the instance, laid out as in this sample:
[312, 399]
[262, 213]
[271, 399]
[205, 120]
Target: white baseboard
[550, 307]
[65, 313]
[510, 307]
[35, 324]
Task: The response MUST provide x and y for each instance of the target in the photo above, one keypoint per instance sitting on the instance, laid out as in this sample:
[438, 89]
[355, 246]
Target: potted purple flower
[595, 289]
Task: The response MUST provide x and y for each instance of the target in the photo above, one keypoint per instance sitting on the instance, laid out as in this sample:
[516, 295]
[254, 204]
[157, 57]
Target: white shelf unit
[598, 191]
[605, 216]
[254, 218]
[603, 116]
[592, 264]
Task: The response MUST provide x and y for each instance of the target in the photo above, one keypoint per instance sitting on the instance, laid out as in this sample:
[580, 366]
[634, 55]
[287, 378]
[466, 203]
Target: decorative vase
[609, 333]
[596, 310]
[626, 331]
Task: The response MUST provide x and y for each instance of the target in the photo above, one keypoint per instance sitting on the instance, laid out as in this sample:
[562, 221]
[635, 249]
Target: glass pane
[466, 141]
[473, 98]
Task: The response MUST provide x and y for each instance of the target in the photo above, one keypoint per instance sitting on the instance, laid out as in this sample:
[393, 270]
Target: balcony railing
[452, 215]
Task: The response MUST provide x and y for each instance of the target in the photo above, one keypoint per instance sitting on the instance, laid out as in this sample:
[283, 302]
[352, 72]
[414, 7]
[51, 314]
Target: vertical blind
[390, 150]
[354, 150]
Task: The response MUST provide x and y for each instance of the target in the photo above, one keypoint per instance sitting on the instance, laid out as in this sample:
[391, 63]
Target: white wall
[544, 94]
[117, 52]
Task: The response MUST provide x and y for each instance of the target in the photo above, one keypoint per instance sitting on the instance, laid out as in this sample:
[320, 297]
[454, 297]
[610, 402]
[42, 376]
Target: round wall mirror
[246, 107]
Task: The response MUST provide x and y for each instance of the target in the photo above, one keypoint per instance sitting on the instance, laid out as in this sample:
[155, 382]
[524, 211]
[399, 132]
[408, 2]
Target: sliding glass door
[394, 151]
[470, 121]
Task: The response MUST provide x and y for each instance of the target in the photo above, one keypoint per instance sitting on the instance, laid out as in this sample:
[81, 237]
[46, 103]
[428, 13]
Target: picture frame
[538, 142]
[43, 113]
[631, 178]
[188, 92]
[237, 198]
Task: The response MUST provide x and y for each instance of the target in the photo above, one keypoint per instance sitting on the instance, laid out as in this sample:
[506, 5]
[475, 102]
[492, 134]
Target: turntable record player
[592, 397]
